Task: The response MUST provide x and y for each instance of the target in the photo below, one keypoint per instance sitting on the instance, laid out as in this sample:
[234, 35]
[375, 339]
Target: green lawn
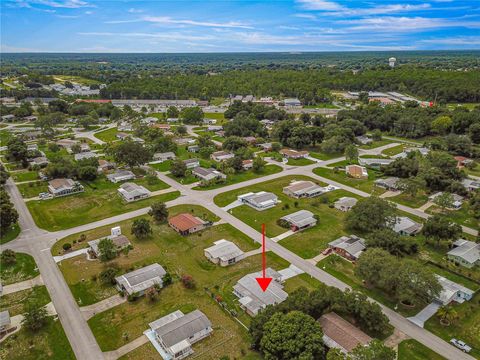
[32, 189]
[152, 185]
[23, 269]
[406, 199]
[76, 79]
[108, 135]
[16, 302]
[366, 185]
[344, 270]
[376, 144]
[300, 162]
[10, 234]
[475, 171]
[100, 200]
[413, 350]
[50, 342]
[243, 176]
[466, 328]
[394, 150]
[324, 156]
[463, 216]
[25, 176]
[217, 116]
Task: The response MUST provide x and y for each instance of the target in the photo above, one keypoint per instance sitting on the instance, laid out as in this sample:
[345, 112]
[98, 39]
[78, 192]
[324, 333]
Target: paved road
[38, 243]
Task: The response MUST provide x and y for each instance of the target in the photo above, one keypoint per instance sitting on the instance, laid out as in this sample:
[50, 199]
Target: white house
[191, 163]
[208, 174]
[133, 192]
[221, 156]
[121, 175]
[224, 253]
[259, 201]
[137, 281]
[63, 187]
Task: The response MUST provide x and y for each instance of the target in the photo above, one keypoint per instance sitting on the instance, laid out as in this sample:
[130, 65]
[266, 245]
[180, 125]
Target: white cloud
[166, 36]
[458, 40]
[68, 4]
[336, 9]
[320, 5]
[135, 11]
[166, 20]
[306, 16]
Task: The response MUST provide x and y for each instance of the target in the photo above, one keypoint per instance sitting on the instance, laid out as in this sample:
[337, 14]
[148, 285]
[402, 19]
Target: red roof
[460, 158]
[184, 222]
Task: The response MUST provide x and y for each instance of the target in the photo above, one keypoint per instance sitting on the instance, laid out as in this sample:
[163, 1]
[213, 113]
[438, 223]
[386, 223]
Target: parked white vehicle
[460, 345]
[45, 196]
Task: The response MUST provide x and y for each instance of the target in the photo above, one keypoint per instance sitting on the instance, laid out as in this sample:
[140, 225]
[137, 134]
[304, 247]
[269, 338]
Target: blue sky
[232, 26]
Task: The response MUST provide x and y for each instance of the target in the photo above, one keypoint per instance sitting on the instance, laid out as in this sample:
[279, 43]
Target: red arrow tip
[264, 282]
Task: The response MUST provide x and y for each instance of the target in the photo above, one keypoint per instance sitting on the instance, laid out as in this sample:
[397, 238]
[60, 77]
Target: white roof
[224, 250]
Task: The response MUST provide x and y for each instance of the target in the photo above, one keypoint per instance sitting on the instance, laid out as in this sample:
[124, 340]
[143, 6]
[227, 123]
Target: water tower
[392, 62]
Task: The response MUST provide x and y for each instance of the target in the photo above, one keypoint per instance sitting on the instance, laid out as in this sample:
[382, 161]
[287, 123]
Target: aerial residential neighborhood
[239, 180]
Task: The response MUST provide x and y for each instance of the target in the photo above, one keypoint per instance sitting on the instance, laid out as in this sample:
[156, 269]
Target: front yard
[366, 185]
[23, 269]
[413, 350]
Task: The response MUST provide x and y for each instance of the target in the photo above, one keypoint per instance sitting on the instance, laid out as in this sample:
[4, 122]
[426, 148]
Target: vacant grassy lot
[394, 150]
[23, 269]
[463, 216]
[413, 350]
[413, 201]
[465, 328]
[10, 234]
[75, 79]
[15, 303]
[376, 144]
[25, 176]
[48, 343]
[243, 176]
[300, 162]
[366, 185]
[32, 189]
[100, 200]
[108, 135]
[317, 154]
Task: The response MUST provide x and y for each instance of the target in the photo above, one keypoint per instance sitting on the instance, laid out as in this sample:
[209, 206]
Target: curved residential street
[38, 243]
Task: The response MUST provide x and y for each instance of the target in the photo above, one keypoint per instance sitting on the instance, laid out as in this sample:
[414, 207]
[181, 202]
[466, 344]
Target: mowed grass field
[108, 135]
[100, 200]
[413, 350]
[366, 185]
[307, 243]
[23, 269]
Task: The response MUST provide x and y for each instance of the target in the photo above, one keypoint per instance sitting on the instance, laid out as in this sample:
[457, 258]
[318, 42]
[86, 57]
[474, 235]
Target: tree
[440, 228]
[107, 276]
[8, 213]
[371, 214]
[413, 280]
[76, 148]
[191, 115]
[233, 143]
[411, 185]
[442, 125]
[376, 135]
[258, 164]
[88, 173]
[375, 350]
[172, 112]
[363, 97]
[4, 175]
[474, 133]
[390, 241]
[292, 336]
[181, 130]
[178, 168]
[35, 316]
[152, 293]
[373, 263]
[159, 212]
[351, 153]
[141, 228]
[447, 314]
[107, 249]
[8, 257]
[130, 153]
[444, 200]
[17, 150]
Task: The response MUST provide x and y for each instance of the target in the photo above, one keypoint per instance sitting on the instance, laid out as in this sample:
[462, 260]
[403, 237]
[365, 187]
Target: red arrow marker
[263, 281]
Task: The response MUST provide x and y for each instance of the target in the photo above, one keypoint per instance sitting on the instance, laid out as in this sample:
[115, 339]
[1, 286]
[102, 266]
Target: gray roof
[470, 183]
[406, 225]
[164, 155]
[450, 288]
[252, 296]
[133, 189]
[352, 244]
[260, 199]
[85, 155]
[119, 241]
[190, 161]
[121, 174]
[224, 250]
[467, 250]
[346, 201]
[300, 218]
[304, 187]
[183, 327]
[142, 279]
[391, 182]
[370, 161]
[4, 318]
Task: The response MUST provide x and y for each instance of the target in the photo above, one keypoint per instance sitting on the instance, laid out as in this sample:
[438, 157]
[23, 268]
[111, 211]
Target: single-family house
[121, 175]
[5, 321]
[465, 253]
[340, 334]
[8, 117]
[247, 164]
[349, 247]
[32, 147]
[84, 155]
[161, 157]
[405, 226]
[209, 121]
[451, 291]
[164, 127]
[149, 120]
[122, 136]
[184, 141]
[124, 126]
[259, 201]
[462, 161]
[390, 183]
[221, 156]
[66, 143]
[186, 223]
[119, 241]
[171, 120]
[104, 165]
[422, 150]
[356, 171]
[471, 184]
[137, 281]
[193, 148]
[457, 200]
[252, 298]
[265, 146]
[250, 139]
[374, 163]
[224, 253]
[207, 174]
[138, 140]
[63, 187]
[39, 161]
[191, 163]
[363, 139]
[292, 102]
[293, 154]
[345, 203]
[215, 128]
[301, 189]
[176, 332]
[300, 220]
[133, 192]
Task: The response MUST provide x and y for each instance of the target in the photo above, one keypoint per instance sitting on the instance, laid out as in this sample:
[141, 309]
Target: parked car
[327, 251]
[45, 196]
[460, 345]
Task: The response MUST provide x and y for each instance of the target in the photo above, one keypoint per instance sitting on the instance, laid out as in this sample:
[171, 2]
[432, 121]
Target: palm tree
[447, 314]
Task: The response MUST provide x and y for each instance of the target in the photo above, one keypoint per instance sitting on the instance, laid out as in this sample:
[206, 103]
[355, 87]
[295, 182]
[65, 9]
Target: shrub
[8, 257]
[67, 246]
[188, 282]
